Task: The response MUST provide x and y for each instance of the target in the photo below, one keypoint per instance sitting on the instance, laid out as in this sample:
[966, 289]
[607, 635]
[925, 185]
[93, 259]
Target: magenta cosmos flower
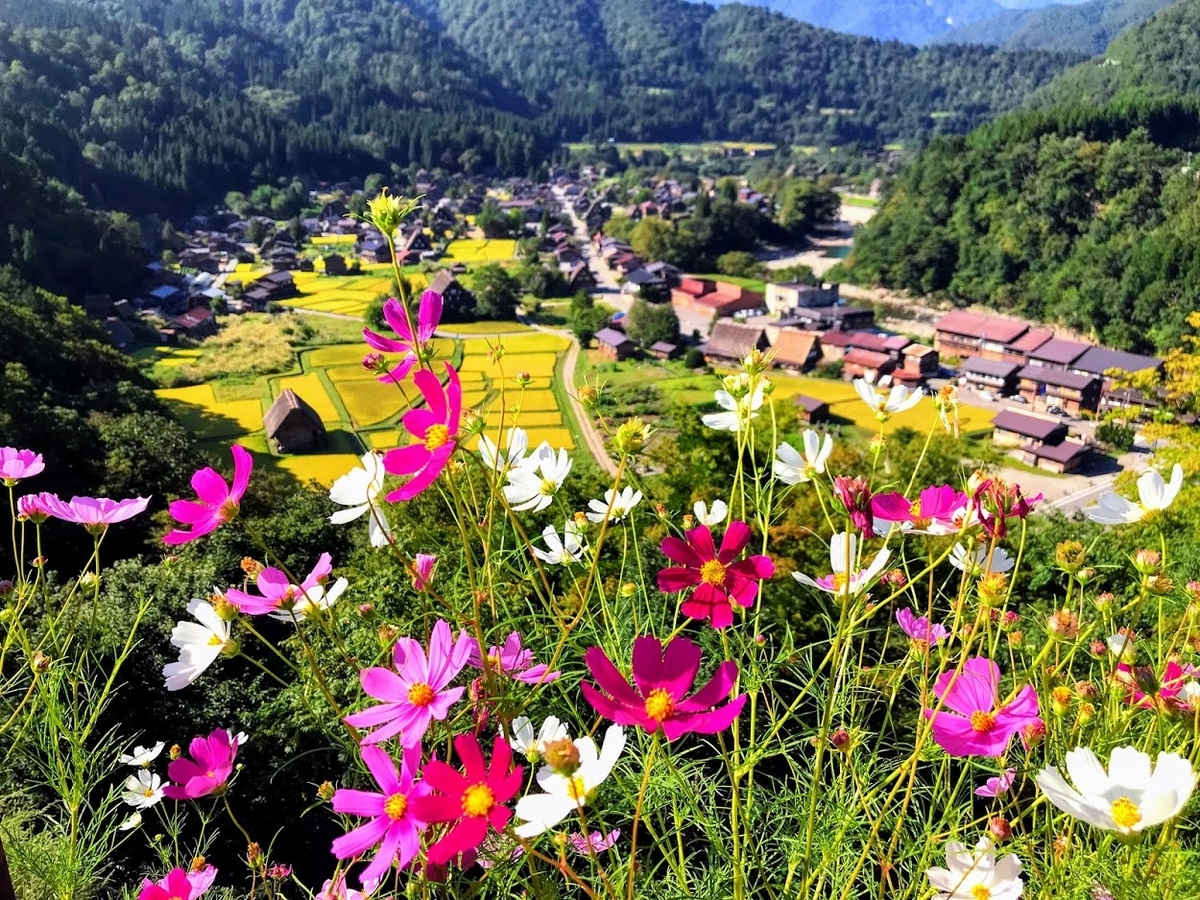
[208, 769]
[36, 508]
[218, 501]
[472, 799]
[422, 571]
[719, 581]
[415, 693]
[393, 827]
[179, 884]
[279, 595]
[512, 660]
[657, 699]
[17, 464]
[429, 314]
[1145, 689]
[996, 502]
[855, 496]
[921, 631]
[997, 785]
[972, 721]
[436, 429]
[938, 510]
[95, 513]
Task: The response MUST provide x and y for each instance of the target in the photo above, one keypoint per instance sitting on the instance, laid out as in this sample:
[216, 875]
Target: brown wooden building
[292, 425]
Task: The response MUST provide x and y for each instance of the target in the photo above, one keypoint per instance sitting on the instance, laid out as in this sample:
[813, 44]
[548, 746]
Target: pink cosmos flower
[938, 510]
[207, 771]
[423, 571]
[37, 508]
[17, 464]
[1145, 689]
[662, 679]
[596, 842]
[280, 596]
[920, 630]
[335, 889]
[855, 496]
[977, 724]
[998, 785]
[415, 693]
[95, 513]
[393, 828]
[435, 427]
[472, 799]
[720, 582]
[513, 660]
[996, 502]
[218, 503]
[179, 884]
[429, 314]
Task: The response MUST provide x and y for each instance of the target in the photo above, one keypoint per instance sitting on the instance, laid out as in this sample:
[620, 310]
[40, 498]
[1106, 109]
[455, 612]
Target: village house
[640, 278]
[991, 375]
[663, 350]
[867, 364]
[920, 360]
[374, 250]
[811, 410]
[1064, 457]
[719, 298]
[454, 295]
[1101, 361]
[667, 272]
[732, 341]
[292, 425]
[614, 344]
[829, 318]
[580, 277]
[786, 296]
[335, 264]
[1015, 429]
[1056, 353]
[796, 350]
[196, 323]
[1070, 391]
[1018, 351]
[963, 334]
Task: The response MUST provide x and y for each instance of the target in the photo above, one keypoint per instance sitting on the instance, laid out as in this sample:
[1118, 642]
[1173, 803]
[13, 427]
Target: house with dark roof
[1015, 429]
[1072, 392]
[335, 264]
[842, 317]
[454, 295]
[663, 350]
[920, 360]
[1064, 457]
[811, 410]
[732, 341]
[1057, 353]
[991, 374]
[960, 333]
[580, 277]
[1101, 361]
[292, 425]
[196, 323]
[614, 344]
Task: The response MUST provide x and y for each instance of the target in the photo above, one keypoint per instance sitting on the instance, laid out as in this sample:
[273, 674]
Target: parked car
[1056, 410]
[987, 395]
[1017, 398]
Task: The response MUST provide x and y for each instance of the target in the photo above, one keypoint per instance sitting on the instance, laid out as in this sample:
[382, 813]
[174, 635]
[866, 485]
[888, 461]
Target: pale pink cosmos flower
[435, 428]
[17, 464]
[596, 842]
[219, 502]
[998, 785]
[429, 314]
[35, 508]
[335, 889]
[417, 692]
[207, 771]
[423, 571]
[283, 600]
[920, 630]
[95, 513]
[513, 660]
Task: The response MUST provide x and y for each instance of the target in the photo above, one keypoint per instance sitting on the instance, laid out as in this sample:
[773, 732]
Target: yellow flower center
[216, 641]
[659, 705]
[982, 722]
[148, 792]
[713, 572]
[840, 581]
[395, 806]
[436, 436]
[576, 789]
[477, 800]
[1125, 812]
[420, 694]
[494, 661]
[548, 487]
[228, 510]
[981, 892]
[914, 509]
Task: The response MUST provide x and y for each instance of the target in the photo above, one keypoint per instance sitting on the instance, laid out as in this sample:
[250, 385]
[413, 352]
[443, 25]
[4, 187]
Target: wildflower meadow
[599, 699]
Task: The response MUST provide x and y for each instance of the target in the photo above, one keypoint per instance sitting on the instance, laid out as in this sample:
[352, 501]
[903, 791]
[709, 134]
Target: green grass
[750, 284]
[859, 200]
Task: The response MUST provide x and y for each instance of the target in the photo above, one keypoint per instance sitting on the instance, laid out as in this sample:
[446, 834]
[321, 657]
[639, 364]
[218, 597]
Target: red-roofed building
[1019, 350]
[963, 334]
[867, 364]
[720, 298]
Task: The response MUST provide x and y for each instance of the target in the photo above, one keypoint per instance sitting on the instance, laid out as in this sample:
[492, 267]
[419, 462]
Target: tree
[804, 204]
[496, 293]
[542, 281]
[649, 323]
[172, 239]
[652, 239]
[739, 264]
[256, 231]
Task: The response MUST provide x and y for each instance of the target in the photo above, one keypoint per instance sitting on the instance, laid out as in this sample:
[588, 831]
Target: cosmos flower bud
[1147, 561]
[895, 577]
[1016, 638]
[1063, 624]
[1103, 600]
[1099, 648]
[254, 854]
[6, 587]
[471, 423]
[373, 362]
[631, 437]
[1061, 699]
[1193, 589]
[689, 522]
[1010, 619]
[1000, 828]
[1159, 585]
[40, 662]
[628, 589]
[1034, 733]
[366, 610]
[877, 444]
[175, 752]
[1086, 689]
[1085, 714]
[1070, 556]
[388, 635]
[1086, 574]
[1061, 844]
[251, 567]
[767, 386]
[993, 588]
[737, 386]
[756, 362]
[523, 379]
[562, 756]
[325, 791]
[840, 738]
[386, 211]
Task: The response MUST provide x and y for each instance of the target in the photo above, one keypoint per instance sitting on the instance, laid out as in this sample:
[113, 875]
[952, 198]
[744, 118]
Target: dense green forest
[162, 104]
[1088, 217]
[1082, 28]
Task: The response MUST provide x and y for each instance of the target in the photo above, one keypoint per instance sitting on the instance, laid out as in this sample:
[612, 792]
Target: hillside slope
[1084, 28]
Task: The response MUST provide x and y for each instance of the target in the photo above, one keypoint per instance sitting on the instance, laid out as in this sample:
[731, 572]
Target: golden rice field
[309, 388]
[479, 250]
[198, 408]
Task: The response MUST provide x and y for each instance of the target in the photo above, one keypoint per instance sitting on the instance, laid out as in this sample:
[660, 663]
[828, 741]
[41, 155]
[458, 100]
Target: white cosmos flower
[738, 413]
[358, 489]
[1153, 495]
[565, 794]
[199, 643]
[621, 502]
[845, 580]
[562, 550]
[972, 875]
[316, 599]
[532, 745]
[516, 443]
[1189, 694]
[710, 517]
[132, 822]
[976, 563]
[1121, 646]
[533, 484]
[142, 756]
[895, 401]
[792, 467]
[142, 790]
[1129, 797]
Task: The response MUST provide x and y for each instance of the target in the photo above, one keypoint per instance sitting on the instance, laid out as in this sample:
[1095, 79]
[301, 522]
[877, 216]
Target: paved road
[607, 290]
[1082, 498]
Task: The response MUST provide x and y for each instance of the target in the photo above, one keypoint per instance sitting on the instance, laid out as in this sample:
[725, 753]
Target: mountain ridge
[1087, 27]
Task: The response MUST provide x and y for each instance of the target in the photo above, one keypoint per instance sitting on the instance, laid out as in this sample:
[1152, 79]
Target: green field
[859, 200]
[750, 284]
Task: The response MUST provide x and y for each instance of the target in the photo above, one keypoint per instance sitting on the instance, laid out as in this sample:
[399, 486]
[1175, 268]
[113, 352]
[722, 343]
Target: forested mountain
[1160, 57]
[1084, 216]
[165, 103]
[1084, 28]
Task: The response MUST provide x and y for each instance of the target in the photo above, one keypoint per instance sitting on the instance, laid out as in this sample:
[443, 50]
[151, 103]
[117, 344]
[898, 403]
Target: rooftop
[1028, 426]
[1056, 377]
[989, 367]
[1057, 350]
[1063, 452]
[1099, 360]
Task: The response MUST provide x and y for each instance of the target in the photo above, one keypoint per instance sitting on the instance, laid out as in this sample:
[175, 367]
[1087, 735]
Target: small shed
[811, 410]
[292, 425]
[663, 350]
[614, 344]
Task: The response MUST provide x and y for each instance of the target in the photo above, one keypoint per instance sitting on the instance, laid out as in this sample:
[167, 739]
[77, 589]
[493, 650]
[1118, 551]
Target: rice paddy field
[358, 411]
[476, 251]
